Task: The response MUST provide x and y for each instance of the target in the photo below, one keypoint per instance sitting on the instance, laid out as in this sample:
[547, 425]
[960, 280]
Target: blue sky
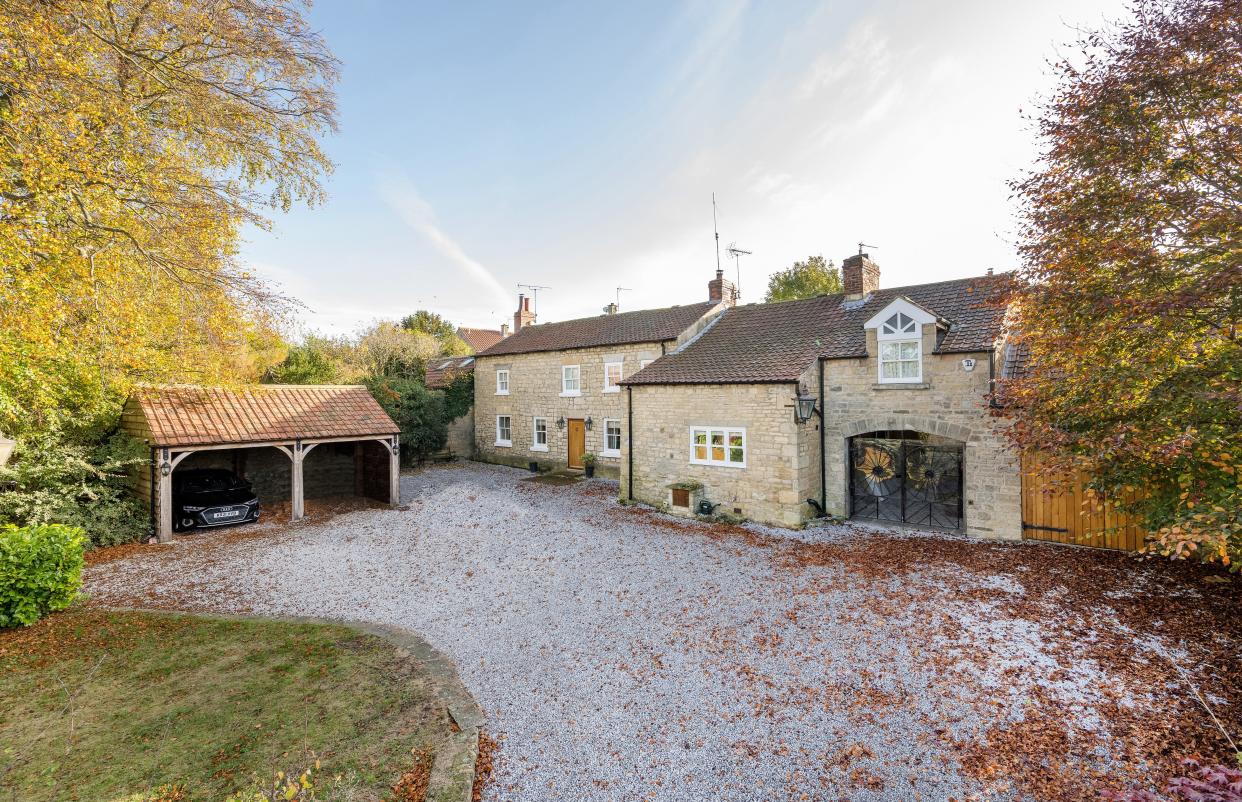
[577, 146]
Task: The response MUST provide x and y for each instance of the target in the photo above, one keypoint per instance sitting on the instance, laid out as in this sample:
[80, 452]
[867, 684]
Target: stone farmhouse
[871, 403]
[552, 393]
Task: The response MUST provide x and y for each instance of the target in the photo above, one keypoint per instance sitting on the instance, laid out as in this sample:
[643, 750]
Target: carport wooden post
[168, 463]
[299, 501]
[394, 472]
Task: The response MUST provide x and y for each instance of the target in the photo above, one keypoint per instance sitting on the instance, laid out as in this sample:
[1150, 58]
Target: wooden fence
[1062, 512]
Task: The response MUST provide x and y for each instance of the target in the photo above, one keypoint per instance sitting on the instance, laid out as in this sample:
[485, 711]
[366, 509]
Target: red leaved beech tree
[1131, 245]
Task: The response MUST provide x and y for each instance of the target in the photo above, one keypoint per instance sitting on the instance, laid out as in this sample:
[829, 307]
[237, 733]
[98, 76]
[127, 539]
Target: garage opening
[907, 477]
[278, 445]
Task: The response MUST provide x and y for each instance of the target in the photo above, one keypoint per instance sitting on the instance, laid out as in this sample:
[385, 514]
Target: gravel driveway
[621, 654]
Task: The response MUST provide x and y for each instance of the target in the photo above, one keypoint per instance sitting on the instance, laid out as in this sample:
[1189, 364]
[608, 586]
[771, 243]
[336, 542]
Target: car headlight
[189, 508]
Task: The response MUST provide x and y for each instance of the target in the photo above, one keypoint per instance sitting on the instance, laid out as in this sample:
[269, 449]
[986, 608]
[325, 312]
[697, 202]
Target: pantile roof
[480, 339]
[647, 325]
[198, 416]
[442, 371]
[777, 342]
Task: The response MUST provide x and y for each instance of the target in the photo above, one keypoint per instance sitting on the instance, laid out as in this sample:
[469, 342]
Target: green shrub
[419, 412]
[40, 571]
[59, 475]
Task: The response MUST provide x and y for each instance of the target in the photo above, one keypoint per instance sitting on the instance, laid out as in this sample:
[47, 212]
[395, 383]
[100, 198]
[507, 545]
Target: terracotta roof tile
[185, 416]
[777, 342]
[480, 339]
[644, 326]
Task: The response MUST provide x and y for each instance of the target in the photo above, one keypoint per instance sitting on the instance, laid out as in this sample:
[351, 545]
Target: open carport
[266, 434]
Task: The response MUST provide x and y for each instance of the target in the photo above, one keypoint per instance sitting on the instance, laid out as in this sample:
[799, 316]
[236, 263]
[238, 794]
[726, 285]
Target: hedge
[40, 570]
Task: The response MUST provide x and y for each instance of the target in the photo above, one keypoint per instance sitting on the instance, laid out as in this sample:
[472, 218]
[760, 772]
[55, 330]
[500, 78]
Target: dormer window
[899, 340]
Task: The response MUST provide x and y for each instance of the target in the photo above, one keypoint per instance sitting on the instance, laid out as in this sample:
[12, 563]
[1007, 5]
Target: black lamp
[560, 422]
[806, 407]
[589, 423]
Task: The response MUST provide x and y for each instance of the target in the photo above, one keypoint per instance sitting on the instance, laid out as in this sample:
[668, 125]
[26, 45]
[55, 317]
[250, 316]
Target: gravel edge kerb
[452, 772]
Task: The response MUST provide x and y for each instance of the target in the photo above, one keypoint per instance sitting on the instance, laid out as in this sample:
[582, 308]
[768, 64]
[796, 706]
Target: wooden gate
[1062, 512]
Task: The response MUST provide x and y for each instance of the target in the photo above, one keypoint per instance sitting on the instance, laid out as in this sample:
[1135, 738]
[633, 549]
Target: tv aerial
[737, 254]
[534, 293]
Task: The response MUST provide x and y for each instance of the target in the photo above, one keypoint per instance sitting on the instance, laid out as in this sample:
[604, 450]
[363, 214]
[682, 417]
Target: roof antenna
[534, 293]
[737, 254]
[862, 245]
[716, 231]
[619, 291]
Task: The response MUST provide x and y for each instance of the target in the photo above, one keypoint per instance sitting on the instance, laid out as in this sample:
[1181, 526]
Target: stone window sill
[538, 447]
[901, 386]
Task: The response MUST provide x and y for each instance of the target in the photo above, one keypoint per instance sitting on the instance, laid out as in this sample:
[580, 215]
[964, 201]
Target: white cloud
[401, 196]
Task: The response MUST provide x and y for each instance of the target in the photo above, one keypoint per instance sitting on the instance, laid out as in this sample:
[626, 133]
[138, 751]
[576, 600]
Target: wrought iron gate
[906, 481]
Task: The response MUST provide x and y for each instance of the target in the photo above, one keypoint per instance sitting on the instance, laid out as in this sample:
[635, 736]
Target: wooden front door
[577, 442]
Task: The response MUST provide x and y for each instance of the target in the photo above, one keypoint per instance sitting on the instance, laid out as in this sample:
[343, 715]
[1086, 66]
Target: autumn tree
[387, 349]
[806, 279]
[1131, 244]
[137, 138]
[315, 360]
[443, 331]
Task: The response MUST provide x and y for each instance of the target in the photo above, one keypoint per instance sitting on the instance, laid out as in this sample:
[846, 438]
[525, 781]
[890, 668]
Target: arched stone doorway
[907, 476]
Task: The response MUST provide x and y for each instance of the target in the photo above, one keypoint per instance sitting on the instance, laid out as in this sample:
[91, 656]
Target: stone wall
[949, 403]
[770, 488]
[461, 436]
[328, 469]
[535, 391]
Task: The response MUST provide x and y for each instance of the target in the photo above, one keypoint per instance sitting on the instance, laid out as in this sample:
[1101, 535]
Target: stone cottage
[551, 393]
[872, 403]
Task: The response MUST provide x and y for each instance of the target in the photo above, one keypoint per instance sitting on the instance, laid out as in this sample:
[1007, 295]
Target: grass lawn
[109, 706]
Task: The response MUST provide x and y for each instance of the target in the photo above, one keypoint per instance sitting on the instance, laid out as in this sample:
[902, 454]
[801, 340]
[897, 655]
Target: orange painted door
[577, 442]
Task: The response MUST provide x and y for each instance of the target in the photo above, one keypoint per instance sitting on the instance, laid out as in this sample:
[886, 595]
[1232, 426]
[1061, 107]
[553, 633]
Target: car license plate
[226, 514]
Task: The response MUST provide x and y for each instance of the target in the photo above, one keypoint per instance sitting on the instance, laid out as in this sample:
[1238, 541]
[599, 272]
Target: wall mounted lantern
[589, 423]
[560, 422]
[165, 468]
[805, 408]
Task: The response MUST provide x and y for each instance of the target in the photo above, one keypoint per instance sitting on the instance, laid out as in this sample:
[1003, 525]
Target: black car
[211, 497]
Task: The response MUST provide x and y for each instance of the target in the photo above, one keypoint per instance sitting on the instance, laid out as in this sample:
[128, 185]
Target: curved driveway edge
[452, 773]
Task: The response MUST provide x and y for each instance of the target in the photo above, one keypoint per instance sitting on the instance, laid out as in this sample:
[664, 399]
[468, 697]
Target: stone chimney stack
[720, 289]
[523, 316]
[859, 275]
[504, 329]
[611, 309]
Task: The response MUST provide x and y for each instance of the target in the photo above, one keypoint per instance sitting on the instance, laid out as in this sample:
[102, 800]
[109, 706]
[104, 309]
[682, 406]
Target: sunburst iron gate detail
[906, 481]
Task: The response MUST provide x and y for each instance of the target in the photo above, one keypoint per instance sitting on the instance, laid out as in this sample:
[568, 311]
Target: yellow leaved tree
[137, 138]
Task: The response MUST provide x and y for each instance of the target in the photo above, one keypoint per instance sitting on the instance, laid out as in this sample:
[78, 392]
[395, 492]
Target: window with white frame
[539, 435]
[612, 377]
[718, 445]
[504, 430]
[901, 349]
[612, 438]
[502, 382]
[571, 380]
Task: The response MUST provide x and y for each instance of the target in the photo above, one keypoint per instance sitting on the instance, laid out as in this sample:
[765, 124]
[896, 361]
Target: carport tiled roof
[644, 326]
[777, 342]
[201, 416]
